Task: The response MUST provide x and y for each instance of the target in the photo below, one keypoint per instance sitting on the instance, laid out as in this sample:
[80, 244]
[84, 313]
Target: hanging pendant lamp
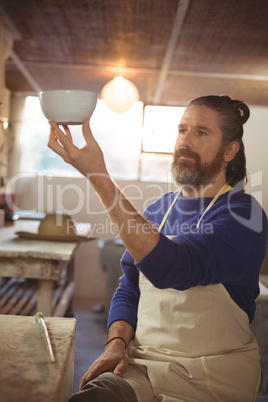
[119, 94]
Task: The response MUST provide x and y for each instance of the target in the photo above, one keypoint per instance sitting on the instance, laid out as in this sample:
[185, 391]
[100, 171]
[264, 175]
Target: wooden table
[26, 374]
[37, 259]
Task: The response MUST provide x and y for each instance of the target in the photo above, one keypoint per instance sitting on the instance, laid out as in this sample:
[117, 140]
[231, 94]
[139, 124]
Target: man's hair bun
[242, 108]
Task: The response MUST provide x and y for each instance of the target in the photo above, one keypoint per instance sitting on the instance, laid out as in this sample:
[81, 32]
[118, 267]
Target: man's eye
[202, 133]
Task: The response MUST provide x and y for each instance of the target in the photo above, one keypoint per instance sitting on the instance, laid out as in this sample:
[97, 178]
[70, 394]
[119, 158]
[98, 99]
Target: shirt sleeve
[125, 301]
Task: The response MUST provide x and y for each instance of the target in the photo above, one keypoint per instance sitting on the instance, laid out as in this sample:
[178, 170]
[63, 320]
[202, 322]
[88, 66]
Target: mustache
[187, 153]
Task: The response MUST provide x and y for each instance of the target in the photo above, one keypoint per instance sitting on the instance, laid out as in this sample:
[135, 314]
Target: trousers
[105, 388]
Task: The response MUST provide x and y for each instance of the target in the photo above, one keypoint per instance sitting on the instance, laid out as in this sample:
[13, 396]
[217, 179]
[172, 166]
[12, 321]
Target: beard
[193, 172]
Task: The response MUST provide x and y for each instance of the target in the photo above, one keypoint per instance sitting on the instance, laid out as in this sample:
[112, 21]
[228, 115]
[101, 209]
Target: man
[179, 320]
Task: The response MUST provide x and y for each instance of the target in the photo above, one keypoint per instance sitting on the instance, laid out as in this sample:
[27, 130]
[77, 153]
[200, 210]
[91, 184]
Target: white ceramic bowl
[68, 106]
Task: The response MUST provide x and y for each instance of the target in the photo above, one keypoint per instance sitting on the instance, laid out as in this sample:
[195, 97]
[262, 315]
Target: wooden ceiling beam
[176, 30]
[25, 72]
[129, 70]
[229, 76]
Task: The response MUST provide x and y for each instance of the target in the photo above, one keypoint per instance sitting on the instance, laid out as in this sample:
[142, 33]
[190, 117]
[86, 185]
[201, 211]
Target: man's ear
[231, 150]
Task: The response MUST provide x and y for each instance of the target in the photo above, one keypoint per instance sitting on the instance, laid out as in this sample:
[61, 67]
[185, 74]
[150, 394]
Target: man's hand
[113, 359]
[87, 160]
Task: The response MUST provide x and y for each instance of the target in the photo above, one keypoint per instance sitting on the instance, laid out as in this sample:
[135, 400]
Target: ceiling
[173, 50]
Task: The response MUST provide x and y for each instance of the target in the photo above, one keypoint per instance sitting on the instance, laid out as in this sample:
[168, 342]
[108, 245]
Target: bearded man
[178, 328]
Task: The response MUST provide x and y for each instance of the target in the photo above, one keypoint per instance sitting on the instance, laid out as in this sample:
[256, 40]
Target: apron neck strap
[168, 211]
[219, 193]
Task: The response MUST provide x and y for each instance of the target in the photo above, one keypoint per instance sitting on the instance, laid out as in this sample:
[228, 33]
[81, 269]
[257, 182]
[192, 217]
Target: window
[133, 149]
[161, 128]
[159, 136]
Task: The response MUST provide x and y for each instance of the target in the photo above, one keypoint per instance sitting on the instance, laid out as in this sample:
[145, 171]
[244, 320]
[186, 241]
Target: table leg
[44, 301]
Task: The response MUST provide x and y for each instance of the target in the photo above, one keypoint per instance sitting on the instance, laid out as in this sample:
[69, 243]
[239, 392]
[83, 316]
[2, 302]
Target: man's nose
[186, 139]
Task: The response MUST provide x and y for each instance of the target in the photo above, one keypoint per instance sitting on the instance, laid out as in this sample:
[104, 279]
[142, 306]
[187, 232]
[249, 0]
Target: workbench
[26, 373]
[35, 275]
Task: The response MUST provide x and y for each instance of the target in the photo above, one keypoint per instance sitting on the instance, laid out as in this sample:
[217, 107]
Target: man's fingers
[89, 375]
[55, 146]
[63, 144]
[88, 159]
[53, 141]
[68, 133]
[87, 133]
[101, 366]
[120, 368]
[62, 138]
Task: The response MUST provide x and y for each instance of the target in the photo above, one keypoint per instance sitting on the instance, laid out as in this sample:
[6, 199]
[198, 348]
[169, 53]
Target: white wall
[256, 145]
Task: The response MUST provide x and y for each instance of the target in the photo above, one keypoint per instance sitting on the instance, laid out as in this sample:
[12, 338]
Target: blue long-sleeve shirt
[228, 248]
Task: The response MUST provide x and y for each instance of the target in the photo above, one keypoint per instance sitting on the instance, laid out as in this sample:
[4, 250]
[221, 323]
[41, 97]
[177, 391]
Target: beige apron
[193, 345]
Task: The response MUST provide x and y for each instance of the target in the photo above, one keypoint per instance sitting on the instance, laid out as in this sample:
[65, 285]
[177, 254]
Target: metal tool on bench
[39, 318]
